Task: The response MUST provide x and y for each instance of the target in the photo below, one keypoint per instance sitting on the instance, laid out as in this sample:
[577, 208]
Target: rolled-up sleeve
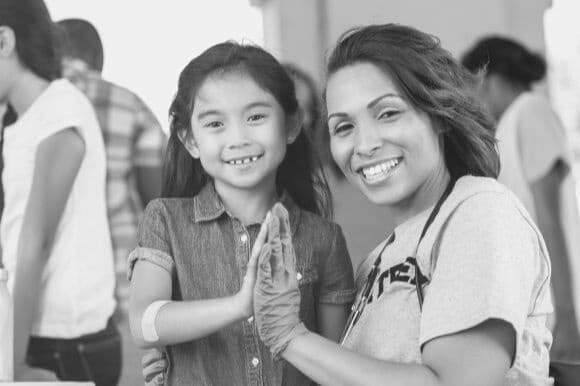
[337, 281]
[152, 240]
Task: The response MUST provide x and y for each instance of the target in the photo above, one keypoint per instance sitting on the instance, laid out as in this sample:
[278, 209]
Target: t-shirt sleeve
[152, 240]
[541, 138]
[337, 281]
[150, 140]
[488, 263]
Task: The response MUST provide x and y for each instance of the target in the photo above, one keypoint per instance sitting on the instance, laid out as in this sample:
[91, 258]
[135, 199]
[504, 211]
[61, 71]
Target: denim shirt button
[244, 238]
[250, 319]
[298, 276]
[255, 361]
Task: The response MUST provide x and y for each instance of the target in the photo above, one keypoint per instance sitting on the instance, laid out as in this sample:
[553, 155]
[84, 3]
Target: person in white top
[467, 303]
[536, 164]
[53, 232]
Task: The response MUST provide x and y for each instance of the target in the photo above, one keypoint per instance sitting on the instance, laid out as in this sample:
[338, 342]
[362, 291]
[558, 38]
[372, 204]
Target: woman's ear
[7, 41]
[186, 138]
[294, 126]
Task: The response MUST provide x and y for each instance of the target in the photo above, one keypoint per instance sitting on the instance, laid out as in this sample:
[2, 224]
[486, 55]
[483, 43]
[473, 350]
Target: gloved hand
[276, 294]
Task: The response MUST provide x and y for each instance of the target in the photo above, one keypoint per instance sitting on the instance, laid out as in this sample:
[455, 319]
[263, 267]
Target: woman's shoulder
[489, 203]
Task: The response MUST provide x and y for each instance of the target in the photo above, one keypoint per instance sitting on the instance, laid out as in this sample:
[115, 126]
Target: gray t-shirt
[483, 258]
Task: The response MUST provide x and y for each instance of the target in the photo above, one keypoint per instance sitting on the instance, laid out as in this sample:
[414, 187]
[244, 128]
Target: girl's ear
[186, 138]
[7, 41]
[294, 126]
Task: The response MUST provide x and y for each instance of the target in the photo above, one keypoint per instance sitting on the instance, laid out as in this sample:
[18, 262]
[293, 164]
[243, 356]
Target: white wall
[147, 43]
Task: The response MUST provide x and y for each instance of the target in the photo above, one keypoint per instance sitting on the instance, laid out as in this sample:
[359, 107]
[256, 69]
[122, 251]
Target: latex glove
[276, 294]
[154, 365]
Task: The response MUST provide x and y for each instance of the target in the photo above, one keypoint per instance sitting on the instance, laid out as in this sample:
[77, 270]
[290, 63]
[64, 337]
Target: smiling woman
[465, 274]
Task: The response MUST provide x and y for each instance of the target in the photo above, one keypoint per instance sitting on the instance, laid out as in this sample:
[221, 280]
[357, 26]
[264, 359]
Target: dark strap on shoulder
[428, 223]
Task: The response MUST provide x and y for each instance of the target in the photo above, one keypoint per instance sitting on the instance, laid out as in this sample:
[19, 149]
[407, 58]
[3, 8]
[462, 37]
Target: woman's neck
[423, 198]
[26, 88]
[248, 205]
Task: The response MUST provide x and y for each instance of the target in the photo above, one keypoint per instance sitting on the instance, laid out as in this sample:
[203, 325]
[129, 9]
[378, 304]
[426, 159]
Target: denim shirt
[206, 252]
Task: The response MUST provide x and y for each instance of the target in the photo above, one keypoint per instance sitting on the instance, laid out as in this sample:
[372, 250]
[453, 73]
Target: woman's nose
[367, 141]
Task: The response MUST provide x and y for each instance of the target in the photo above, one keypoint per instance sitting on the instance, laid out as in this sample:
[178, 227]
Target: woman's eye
[343, 128]
[386, 114]
[213, 124]
[256, 117]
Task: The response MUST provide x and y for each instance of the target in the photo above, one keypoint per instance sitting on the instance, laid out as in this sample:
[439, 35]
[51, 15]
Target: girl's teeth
[243, 161]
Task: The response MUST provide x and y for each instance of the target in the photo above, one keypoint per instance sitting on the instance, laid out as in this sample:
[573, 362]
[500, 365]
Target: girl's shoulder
[164, 208]
[321, 231]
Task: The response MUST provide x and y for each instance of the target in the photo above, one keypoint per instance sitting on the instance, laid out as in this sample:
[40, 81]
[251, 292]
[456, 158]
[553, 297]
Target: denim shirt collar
[207, 206]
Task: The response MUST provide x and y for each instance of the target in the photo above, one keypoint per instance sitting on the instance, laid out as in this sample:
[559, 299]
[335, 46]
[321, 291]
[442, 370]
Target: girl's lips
[244, 160]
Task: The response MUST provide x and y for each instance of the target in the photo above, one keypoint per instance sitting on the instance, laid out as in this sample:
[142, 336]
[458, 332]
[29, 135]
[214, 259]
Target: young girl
[54, 231]
[236, 148]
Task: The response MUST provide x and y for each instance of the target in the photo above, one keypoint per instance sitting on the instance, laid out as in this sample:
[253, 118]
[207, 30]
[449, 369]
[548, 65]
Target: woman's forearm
[184, 321]
[327, 363]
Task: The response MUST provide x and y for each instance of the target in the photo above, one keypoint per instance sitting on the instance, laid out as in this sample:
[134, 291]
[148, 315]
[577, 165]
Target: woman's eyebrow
[374, 102]
[370, 105]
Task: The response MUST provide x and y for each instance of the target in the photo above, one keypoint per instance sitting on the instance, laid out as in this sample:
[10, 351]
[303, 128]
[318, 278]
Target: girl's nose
[237, 136]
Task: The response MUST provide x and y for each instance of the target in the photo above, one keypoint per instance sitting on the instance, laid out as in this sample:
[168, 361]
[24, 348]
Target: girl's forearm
[184, 321]
[327, 363]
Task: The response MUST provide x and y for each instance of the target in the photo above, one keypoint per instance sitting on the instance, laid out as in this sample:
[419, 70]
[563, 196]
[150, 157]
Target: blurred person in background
[134, 144]
[536, 164]
[54, 231]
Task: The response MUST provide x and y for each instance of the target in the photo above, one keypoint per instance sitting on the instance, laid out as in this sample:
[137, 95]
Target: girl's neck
[248, 205]
[26, 88]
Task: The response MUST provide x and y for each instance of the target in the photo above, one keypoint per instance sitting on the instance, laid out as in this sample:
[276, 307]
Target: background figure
[54, 229]
[536, 165]
[134, 143]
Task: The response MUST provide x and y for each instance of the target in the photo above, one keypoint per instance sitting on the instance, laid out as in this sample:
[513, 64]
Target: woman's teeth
[378, 171]
[242, 161]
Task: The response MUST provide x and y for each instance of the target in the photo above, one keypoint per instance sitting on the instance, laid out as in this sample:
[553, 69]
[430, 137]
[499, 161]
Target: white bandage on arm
[148, 321]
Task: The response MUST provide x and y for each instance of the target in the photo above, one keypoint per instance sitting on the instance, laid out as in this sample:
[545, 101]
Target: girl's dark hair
[432, 82]
[35, 36]
[298, 173]
[505, 57]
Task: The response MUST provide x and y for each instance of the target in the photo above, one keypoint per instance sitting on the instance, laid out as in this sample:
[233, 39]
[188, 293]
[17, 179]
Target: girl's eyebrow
[206, 113]
[370, 105]
[257, 104]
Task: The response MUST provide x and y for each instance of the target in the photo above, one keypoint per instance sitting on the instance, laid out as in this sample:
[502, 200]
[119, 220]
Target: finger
[154, 369]
[277, 255]
[261, 238]
[280, 211]
[264, 263]
[285, 236]
[151, 356]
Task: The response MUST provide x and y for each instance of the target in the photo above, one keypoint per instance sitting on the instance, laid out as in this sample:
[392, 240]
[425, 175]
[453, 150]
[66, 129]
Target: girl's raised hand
[276, 294]
[245, 297]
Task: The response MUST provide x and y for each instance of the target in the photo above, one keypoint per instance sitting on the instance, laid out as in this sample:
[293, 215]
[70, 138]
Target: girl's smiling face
[385, 147]
[239, 131]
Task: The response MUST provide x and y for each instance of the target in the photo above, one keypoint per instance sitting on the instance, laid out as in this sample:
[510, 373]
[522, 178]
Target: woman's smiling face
[384, 146]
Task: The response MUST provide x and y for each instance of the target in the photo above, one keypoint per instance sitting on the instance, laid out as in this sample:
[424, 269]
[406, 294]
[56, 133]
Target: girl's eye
[342, 128]
[386, 114]
[213, 124]
[256, 117]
